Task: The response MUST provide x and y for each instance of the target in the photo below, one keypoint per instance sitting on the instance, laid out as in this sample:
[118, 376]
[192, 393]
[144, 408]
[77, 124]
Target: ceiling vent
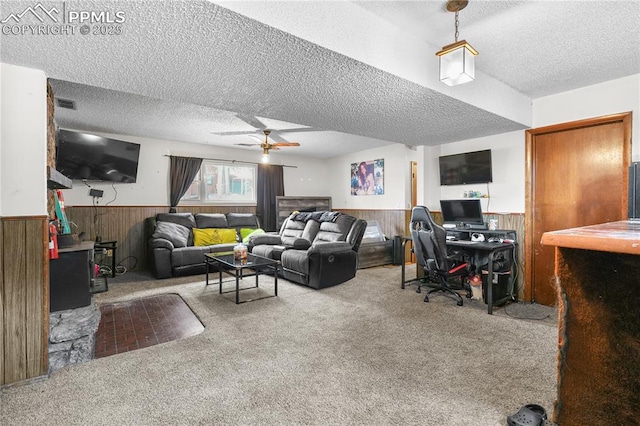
[66, 103]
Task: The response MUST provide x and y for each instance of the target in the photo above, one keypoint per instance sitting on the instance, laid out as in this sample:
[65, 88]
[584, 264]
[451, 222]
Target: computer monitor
[463, 213]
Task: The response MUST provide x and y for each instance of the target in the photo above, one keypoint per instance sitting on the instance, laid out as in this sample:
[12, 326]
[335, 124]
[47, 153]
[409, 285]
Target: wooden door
[414, 184]
[576, 176]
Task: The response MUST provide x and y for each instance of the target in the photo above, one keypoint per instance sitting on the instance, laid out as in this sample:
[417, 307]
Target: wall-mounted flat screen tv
[466, 168]
[94, 158]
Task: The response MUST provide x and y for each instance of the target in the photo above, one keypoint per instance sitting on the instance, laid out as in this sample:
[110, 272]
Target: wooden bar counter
[597, 272]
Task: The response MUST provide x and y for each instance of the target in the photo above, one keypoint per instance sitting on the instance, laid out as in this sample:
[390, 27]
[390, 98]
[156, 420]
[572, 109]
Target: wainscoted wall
[24, 300]
[126, 226]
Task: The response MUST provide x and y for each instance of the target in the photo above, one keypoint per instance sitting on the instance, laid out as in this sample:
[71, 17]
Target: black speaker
[634, 191]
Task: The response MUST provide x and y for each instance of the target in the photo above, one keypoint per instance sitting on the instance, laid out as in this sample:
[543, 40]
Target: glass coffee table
[255, 266]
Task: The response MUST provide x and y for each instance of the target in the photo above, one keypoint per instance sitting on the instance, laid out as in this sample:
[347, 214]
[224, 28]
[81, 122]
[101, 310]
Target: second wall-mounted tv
[95, 158]
[466, 168]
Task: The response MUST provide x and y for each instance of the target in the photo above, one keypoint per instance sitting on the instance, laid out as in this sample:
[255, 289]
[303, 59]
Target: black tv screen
[466, 168]
[467, 212]
[95, 158]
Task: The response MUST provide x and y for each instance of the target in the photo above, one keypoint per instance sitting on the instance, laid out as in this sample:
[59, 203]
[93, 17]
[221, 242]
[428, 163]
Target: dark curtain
[182, 170]
[270, 185]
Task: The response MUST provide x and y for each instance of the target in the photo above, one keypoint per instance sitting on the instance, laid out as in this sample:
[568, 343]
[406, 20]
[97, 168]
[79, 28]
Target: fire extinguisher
[53, 241]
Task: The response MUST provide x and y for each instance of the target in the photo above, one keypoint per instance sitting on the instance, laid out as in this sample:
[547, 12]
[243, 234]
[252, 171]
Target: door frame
[625, 118]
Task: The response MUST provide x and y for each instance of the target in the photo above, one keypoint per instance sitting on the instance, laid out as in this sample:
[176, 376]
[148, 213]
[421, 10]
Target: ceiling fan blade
[248, 144]
[236, 133]
[300, 130]
[257, 137]
[285, 144]
[251, 120]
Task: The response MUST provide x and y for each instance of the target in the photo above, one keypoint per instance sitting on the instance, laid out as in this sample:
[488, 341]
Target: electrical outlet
[96, 193]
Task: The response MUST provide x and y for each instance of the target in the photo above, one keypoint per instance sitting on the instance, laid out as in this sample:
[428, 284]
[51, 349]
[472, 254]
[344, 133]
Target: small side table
[109, 245]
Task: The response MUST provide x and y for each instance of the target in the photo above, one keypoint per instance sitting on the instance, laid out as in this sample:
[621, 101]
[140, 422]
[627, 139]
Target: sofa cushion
[244, 220]
[184, 219]
[311, 230]
[335, 231]
[211, 220]
[211, 236]
[298, 260]
[188, 256]
[174, 232]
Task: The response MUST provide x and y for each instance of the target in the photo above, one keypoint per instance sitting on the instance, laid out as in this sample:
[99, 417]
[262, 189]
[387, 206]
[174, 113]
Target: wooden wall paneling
[2, 302]
[36, 306]
[515, 221]
[24, 298]
[125, 224]
[392, 222]
[15, 328]
[285, 205]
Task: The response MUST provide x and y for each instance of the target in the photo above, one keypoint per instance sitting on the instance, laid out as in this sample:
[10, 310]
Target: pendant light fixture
[457, 59]
[265, 155]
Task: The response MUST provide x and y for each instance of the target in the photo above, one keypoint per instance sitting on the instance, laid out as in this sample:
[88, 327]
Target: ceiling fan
[267, 146]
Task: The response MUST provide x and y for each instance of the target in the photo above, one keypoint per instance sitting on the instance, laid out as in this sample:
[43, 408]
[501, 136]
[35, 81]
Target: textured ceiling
[183, 70]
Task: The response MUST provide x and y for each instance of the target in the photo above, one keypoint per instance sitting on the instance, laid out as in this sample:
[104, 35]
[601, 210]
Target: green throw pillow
[246, 233]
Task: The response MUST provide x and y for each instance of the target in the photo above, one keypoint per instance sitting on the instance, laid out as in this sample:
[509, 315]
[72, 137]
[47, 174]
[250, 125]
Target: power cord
[518, 288]
[121, 269]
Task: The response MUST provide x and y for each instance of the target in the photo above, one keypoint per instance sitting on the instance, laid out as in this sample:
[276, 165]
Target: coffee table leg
[206, 265]
[220, 277]
[237, 288]
[275, 279]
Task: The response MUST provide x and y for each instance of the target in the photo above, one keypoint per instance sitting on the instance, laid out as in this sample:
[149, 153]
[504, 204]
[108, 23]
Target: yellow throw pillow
[211, 236]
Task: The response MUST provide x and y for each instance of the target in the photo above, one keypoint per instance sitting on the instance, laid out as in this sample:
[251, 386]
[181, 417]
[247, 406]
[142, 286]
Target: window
[218, 182]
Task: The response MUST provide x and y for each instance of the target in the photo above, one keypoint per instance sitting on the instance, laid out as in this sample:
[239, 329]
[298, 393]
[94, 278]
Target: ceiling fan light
[457, 63]
[265, 158]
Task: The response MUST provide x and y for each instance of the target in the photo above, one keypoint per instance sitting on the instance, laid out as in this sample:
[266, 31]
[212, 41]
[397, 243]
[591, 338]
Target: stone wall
[72, 335]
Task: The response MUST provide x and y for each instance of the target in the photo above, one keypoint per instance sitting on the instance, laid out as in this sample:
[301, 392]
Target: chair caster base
[460, 302]
[426, 298]
[418, 290]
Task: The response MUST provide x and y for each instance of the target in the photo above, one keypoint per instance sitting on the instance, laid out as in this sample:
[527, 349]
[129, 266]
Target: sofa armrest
[160, 257]
[330, 247]
[269, 239]
[161, 243]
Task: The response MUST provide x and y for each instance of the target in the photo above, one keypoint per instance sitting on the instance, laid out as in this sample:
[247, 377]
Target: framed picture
[367, 177]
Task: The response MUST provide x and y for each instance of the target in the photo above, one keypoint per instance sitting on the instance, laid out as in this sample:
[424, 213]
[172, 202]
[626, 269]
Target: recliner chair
[430, 248]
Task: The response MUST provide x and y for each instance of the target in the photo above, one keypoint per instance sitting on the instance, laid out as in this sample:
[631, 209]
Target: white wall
[152, 184]
[506, 192]
[23, 141]
[611, 97]
[316, 177]
[397, 187]
[508, 150]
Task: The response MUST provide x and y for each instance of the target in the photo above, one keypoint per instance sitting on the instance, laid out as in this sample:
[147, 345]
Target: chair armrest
[161, 243]
[330, 247]
[301, 244]
[269, 239]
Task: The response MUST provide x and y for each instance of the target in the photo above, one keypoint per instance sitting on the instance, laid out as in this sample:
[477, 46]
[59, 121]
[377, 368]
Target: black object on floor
[528, 415]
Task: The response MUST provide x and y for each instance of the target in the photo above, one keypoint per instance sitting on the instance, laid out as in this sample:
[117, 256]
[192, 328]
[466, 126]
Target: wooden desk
[597, 272]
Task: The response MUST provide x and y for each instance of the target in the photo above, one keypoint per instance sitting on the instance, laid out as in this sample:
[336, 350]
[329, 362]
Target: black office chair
[430, 247]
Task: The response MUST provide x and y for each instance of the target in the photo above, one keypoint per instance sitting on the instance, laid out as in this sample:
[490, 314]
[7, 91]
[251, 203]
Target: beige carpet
[364, 352]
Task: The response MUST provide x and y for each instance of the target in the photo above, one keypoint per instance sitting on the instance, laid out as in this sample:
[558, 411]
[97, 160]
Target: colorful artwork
[367, 177]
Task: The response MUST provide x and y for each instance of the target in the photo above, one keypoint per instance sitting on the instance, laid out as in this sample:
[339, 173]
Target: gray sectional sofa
[316, 249]
[172, 247]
